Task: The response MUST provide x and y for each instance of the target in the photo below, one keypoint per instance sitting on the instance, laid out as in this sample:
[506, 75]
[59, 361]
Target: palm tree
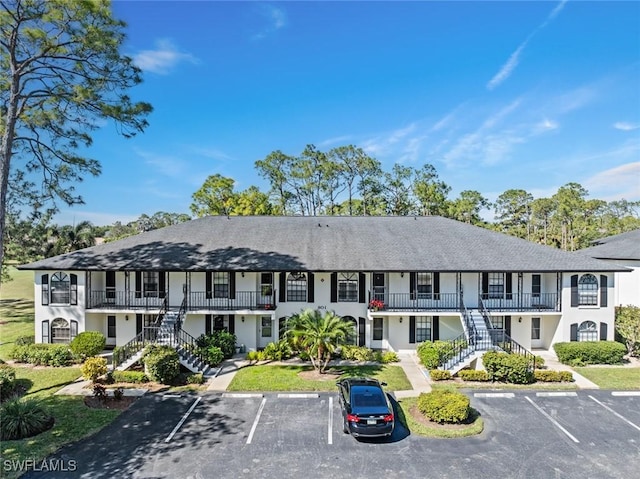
[319, 335]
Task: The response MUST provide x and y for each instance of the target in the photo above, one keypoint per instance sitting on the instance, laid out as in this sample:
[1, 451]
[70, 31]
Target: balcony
[523, 302]
[417, 302]
[244, 300]
[111, 299]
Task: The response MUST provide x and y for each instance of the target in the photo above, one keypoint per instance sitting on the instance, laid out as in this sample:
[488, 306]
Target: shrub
[357, 353]
[43, 354]
[590, 352]
[23, 418]
[87, 344]
[439, 374]
[162, 364]
[7, 381]
[93, 368]
[278, 351]
[118, 394]
[540, 363]
[130, 377]
[196, 378]
[389, 357]
[473, 375]
[433, 354]
[252, 356]
[221, 339]
[549, 375]
[214, 355]
[444, 406]
[99, 391]
[507, 367]
[25, 340]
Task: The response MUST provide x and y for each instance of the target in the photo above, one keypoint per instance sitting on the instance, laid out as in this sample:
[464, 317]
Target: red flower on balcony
[269, 307]
[376, 304]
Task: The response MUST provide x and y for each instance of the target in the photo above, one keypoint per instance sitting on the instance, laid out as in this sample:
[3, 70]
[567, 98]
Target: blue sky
[496, 95]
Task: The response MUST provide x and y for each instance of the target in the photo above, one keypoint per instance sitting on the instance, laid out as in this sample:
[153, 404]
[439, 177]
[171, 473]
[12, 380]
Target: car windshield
[366, 397]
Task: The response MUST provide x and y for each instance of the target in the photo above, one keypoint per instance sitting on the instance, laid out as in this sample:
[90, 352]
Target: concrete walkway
[80, 387]
[551, 362]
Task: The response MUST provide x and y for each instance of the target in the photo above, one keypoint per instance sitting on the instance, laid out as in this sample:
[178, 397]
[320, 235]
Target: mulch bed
[109, 402]
[314, 375]
[425, 421]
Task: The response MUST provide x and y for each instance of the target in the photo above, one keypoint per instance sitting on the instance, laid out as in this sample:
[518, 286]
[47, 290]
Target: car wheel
[345, 427]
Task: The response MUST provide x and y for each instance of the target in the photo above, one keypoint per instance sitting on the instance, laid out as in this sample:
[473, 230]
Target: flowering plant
[376, 304]
[268, 306]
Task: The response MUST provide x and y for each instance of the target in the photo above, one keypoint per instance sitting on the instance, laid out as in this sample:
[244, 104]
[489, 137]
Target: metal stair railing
[142, 339]
[501, 340]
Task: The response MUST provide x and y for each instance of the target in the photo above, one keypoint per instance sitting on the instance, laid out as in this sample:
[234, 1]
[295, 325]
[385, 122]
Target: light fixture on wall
[400, 318]
[242, 319]
[126, 317]
[242, 274]
[402, 275]
[520, 319]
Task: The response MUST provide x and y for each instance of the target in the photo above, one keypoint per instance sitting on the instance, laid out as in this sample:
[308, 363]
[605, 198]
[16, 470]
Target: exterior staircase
[168, 333]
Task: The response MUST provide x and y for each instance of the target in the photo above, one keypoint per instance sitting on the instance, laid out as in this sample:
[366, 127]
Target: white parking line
[625, 393]
[556, 394]
[184, 418]
[616, 414]
[169, 396]
[330, 420]
[553, 421]
[299, 396]
[242, 395]
[255, 423]
[494, 395]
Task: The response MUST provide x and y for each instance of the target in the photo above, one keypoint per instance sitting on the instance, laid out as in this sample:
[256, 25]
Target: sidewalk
[80, 387]
[551, 362]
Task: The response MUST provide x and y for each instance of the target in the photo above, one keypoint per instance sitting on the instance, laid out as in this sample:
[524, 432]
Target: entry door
[111, 331]
[110, 286]
[377, 333]
[536, 333]
[379, 288]
[266, 330]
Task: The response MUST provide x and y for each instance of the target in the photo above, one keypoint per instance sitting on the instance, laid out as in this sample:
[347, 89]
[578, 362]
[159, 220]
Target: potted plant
[376, 305]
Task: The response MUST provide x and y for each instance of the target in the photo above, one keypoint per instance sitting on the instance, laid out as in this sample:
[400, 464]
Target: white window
[587, 331]
[423, 285]
[588, 290]
[60, 331]
[60, 289]
[497, 322]
[297, 287]
[348, 287]
[378, 329]
[150, 284]
[220, 284]
[423, 328]
[496, 285]
[267, 330]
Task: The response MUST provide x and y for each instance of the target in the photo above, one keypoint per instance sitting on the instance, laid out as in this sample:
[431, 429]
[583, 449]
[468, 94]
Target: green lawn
[286, 378]
[16, 310]
[612, 377]
[406, 404]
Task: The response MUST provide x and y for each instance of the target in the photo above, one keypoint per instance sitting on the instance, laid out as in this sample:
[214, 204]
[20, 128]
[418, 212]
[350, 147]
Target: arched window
[60, 289]
[587, 331]
[588, 290]
[60, 331]
[297, 287]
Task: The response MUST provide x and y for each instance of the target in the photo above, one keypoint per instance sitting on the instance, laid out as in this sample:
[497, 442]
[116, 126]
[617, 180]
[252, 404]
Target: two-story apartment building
[400, 280]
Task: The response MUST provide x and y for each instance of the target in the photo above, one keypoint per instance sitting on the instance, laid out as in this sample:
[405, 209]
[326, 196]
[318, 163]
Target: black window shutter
[603, 291]
[162, 284]
[311, 293]
[436, 285]
[73, 331]
[412, 329]
[45, 331]
[412, 285]
[208, 284]
[603, 331]
[573, 336]
[73, 283]
[138, 323]
[507, 325]
[508, 280]
[139, 285]
[334, 287]
[435, 328]
[207, 324]
[232, 285]
[485, 286]
[361, 331]
[232, 324]
[362, 288]
[574, 295]
[283, 287]
[45, 293]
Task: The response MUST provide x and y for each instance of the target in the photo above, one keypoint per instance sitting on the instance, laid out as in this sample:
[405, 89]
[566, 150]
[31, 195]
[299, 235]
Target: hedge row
[433, 354]
[507, 367]
[473, 375]
[549, 376]
[580, 353]
[161, 363]
[444, 406]
[43, 354]
[7, 381]
[439, 375]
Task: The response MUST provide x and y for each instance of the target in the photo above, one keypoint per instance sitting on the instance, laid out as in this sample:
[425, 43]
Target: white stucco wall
[628, 285]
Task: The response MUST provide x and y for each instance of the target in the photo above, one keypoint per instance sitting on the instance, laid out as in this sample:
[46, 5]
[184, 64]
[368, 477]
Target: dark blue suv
[366, 410]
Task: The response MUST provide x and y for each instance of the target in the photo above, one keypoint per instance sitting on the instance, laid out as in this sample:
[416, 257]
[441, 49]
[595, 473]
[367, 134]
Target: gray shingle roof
[622, 246]
[285, 243]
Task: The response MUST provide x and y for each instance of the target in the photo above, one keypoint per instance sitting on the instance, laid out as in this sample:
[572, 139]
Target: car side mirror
[383, 384]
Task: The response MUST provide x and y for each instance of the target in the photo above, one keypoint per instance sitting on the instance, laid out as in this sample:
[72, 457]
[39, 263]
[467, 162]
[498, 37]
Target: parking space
[527, 434]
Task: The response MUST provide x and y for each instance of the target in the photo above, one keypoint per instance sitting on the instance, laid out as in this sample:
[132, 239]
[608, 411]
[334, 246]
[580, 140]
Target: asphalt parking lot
[583, 434]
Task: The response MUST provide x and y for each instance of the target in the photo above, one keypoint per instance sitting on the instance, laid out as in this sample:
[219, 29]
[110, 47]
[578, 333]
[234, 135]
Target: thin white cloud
[344, 139]
[163, 164]
[164, 58]
[276, 18]
[626, 126]
[620, 182]
[69, 217]
[512, 62]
